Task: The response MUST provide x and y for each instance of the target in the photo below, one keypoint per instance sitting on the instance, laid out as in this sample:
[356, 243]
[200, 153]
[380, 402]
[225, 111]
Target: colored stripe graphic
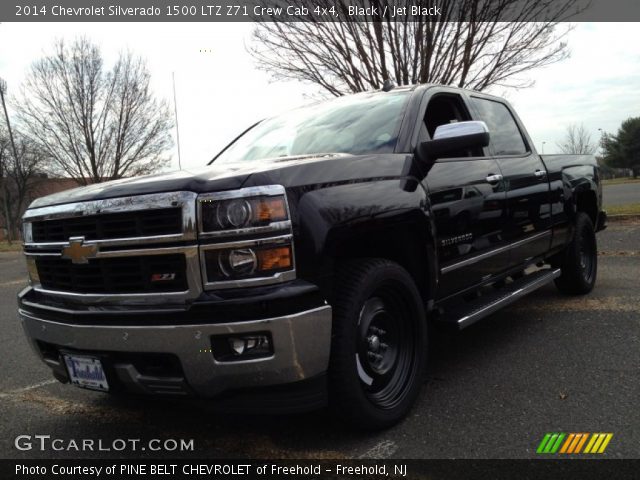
[598, 442]
[605, 442]
[543, 443]
[551, 443]
[596, 445]
[593, 439]
[572, 443]
[567, 443]
[556, 446]
[581, 442]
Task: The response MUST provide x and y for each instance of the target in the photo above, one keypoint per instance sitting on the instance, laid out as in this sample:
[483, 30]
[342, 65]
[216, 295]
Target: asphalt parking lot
[549, 363]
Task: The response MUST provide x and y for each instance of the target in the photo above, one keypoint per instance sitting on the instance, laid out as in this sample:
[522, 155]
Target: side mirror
[453, 137]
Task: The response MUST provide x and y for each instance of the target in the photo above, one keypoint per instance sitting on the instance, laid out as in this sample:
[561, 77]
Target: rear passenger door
[528, 215]
[467, 202]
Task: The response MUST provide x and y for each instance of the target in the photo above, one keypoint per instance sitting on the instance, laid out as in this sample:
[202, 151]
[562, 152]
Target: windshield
[357, 124]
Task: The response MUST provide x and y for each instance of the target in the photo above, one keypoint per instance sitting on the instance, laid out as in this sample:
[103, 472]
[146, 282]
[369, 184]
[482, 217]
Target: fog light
[250, 345]
[233, 348]
[237, 345]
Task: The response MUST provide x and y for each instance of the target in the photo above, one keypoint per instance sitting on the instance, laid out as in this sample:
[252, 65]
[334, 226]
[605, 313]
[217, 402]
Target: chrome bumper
[301, 344]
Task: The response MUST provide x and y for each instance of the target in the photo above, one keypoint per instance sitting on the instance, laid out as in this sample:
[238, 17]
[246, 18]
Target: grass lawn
[629, 209]
[618, 181]
[15, 246]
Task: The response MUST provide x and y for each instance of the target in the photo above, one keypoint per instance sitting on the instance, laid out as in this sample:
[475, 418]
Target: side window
[506, 138]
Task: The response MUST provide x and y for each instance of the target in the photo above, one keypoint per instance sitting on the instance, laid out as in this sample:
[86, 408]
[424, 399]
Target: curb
[622, 218]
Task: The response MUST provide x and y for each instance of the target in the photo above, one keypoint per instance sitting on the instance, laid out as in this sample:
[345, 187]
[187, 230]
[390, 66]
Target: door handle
[540, 173]
[493, 179]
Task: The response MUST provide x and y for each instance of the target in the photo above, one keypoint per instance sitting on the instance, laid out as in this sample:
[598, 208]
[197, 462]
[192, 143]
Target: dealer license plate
[86, 372]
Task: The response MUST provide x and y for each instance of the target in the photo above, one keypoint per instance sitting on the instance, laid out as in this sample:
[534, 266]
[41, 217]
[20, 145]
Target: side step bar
[468, 313]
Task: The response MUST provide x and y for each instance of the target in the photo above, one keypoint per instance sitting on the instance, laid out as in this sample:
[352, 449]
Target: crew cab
[303, 265]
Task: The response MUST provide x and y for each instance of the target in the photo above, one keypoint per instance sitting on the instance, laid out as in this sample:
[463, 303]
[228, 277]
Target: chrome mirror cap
[460, 129]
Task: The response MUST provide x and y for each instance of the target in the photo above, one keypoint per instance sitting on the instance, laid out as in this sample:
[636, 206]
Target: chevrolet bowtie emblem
[77, 252]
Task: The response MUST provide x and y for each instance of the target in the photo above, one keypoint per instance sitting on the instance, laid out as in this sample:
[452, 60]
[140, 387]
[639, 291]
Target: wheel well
[586, 202]
[405, 246]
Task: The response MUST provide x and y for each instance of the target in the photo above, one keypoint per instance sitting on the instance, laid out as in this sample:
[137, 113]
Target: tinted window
[506, 138]
[356, 124]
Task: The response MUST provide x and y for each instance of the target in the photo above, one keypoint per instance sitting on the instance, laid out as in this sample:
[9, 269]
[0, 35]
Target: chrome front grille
[144, 249]
[145, 223]
[140, 249]
[143, 274]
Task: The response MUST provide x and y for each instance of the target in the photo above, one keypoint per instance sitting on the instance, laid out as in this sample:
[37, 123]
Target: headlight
[27, 232]
[259, 249]
[237, 262]
[244, 263]
[223, 215]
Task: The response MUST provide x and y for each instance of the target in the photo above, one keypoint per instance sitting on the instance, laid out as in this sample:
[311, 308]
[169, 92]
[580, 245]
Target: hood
[286, 171]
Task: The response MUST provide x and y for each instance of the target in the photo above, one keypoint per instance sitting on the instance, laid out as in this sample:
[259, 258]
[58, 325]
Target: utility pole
[175, 109]
[7, 217]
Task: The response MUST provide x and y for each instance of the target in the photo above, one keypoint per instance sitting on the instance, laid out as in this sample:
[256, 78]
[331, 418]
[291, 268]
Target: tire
[379, 344]
[579, 261]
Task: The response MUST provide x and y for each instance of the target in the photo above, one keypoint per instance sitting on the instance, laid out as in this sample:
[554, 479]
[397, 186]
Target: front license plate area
[86, 372]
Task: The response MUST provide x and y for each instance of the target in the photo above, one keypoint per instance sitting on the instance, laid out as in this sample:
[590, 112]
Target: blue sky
[220, 92]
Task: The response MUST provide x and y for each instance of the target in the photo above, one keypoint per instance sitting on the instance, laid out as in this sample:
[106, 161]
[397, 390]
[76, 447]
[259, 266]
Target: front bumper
[301, 344]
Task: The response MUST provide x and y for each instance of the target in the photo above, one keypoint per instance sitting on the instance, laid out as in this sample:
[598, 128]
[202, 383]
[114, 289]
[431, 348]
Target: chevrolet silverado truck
[304, 265]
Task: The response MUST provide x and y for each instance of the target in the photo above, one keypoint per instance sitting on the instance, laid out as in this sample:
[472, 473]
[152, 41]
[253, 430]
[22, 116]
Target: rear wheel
[378, 352]
[579, 261]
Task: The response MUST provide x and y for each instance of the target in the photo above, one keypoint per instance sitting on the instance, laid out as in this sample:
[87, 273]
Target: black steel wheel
[579, 261]
[379, 344]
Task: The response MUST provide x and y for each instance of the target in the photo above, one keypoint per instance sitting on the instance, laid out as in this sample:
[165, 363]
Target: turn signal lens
[274, 258]
[271, 210]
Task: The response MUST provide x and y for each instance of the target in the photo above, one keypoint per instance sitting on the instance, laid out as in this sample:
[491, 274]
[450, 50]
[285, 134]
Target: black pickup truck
[303, 266]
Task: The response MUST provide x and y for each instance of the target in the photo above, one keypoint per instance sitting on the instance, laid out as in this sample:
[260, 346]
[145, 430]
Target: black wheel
[379, 343]
[579, 261]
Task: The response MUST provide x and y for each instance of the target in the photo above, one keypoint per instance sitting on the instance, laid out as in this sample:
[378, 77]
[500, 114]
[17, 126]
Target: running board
[468, 313]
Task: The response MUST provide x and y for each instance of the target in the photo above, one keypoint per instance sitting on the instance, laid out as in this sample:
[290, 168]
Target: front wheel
[378, 352]
[579, 262]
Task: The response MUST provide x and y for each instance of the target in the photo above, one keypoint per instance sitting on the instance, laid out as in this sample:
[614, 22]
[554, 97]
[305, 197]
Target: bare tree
[481, 51]
[4, 157]
[3, 168]
[95, 124]
[577, 140]
[21, 173]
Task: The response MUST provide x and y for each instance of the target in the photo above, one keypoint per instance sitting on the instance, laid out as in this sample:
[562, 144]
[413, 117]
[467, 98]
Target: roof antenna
[388, 85]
